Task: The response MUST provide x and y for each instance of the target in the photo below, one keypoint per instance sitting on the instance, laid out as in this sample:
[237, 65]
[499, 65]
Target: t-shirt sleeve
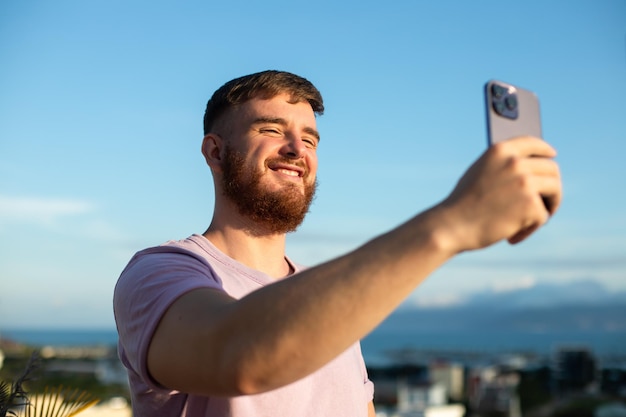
[148, 286]
[369, 385]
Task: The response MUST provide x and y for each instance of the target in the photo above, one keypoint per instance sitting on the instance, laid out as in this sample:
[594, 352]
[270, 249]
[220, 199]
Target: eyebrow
[283, 122]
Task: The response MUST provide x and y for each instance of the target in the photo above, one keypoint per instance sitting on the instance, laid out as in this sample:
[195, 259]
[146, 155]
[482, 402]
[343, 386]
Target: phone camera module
[504, 101]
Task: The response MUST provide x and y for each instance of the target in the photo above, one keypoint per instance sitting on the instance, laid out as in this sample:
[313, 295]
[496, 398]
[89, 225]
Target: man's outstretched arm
[287, 330]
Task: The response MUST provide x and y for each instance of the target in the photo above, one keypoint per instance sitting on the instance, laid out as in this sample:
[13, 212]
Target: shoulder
[154, 279]
[164, 271]
[168, 256]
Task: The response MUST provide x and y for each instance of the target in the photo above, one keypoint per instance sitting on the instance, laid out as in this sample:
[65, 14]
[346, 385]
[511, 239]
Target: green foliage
[13, 395]
[57, 402]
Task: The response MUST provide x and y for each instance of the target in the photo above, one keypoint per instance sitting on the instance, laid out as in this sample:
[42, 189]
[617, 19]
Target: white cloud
[435, 301]
[40, 210]
[103, 230]
[513, 285]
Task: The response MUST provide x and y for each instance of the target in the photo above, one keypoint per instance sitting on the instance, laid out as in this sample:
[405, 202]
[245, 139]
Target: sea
[384, 347]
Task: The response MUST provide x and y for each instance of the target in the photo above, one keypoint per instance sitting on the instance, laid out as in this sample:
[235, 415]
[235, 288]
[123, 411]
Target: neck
[263, 252]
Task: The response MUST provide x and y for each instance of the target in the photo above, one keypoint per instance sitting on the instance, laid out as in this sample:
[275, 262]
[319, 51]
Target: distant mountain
[585, 292]
[579, 306]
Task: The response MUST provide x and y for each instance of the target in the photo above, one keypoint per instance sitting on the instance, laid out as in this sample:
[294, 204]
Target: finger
[541, 166]
[545, 203]
[526, 146]
[552, 202]
[538, 176]
[550, 190]
[523, 234]
[534, 221]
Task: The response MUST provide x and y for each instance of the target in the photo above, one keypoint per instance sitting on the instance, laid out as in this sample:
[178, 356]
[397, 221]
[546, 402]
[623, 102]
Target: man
[224, 324]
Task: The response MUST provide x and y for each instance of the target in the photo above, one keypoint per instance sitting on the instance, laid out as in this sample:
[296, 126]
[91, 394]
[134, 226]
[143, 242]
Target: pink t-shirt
[155, 278]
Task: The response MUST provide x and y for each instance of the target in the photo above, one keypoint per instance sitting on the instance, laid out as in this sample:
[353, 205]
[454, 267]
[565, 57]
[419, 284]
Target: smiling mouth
[288, 170]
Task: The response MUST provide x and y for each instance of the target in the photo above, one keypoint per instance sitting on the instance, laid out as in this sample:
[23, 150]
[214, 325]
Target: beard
[276, 212]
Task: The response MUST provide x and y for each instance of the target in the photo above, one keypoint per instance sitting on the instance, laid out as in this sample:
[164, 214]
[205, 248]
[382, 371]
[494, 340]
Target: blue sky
[101, 110]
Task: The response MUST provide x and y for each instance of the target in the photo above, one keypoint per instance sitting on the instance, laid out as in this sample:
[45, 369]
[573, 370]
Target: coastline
[384, 346]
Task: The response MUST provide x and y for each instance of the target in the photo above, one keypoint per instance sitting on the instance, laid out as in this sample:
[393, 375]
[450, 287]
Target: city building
[575, 371]
[449, 375]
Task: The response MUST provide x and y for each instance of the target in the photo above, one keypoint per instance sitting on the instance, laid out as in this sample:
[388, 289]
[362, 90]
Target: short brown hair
[266, 84]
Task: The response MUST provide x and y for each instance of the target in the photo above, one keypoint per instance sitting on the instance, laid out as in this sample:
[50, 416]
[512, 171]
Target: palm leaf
[58, 402]
[11, 396]
[5, 396]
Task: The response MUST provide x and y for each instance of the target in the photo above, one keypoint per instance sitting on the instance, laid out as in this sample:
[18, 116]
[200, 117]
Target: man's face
[270, 162]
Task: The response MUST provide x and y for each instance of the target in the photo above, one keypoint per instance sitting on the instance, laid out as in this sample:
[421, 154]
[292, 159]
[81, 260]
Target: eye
[310, 142]
[270, 131]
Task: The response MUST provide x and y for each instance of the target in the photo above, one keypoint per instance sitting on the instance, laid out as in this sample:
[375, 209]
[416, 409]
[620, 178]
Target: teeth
[289, 172]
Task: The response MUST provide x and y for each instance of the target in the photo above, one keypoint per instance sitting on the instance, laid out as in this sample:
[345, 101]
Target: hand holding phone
[512, 111]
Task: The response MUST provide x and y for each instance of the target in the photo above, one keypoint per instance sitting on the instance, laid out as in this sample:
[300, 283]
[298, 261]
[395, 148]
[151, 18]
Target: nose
[293, 148]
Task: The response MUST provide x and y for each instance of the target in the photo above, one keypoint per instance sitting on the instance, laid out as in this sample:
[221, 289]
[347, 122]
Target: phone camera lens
[511, 102]
[499, 107]
[497, 90]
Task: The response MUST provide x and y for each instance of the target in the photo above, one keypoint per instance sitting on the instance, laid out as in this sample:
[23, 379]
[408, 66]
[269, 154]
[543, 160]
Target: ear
[212, 146]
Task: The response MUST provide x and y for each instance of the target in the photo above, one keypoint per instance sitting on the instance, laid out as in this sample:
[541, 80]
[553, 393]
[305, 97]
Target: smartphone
[511, 111]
